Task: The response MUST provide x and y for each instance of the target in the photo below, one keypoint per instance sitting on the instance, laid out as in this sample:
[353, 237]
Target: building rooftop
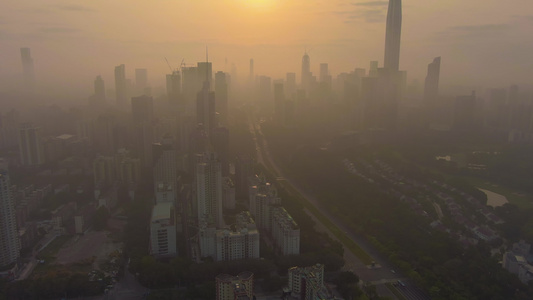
[161, 211]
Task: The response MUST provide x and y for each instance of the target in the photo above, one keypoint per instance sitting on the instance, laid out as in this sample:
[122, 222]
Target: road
[381, 273]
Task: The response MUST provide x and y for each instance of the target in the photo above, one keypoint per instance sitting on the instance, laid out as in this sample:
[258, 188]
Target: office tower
[99, 91]
[165, 171]
[28, 72]
[209, 190]
[121, 86]
[174, 87]
[373, 71]
[190, 86]
[306, 72]
[30, 145]
[141, 81]
[307, 283]
[221, 92]
[431, 87]
[9, 238]
[220, 143]
[324, 72]
[235, 287]
[205, 109]
[393, 35]
[262, 197]
[279, 102]
[142, 109]
[9, 129]
[163, 230]
[205, 72]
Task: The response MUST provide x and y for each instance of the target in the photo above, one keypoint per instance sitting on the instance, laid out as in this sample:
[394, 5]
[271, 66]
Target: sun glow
[263, 5]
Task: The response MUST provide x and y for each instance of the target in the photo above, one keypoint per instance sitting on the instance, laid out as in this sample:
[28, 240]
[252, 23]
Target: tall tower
[251, 70]
[431, 88]
[30, 145]
[209, 190]
[393, 35]
[306, 71]
[9, 240]
[221, 92]
[27, 68]
[121, 85]
[141, 81]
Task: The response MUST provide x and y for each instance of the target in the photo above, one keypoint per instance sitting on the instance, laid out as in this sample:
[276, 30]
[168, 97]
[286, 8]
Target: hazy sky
[481, 41]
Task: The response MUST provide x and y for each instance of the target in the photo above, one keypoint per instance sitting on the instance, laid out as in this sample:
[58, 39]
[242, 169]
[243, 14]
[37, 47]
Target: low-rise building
[239, 287]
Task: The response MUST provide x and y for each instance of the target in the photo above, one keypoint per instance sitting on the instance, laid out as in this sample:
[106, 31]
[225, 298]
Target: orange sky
[480, 41]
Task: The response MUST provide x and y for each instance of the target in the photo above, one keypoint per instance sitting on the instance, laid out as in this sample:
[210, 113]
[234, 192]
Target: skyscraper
[28, 72]
[306, 72]
[393, 35]
[30, 145]
[9, 239]
[142, 109]
[121, 86]
[431, 88]
[251, 71]
[209, 190]
[99, 91]
[221, 92]
[174, 87]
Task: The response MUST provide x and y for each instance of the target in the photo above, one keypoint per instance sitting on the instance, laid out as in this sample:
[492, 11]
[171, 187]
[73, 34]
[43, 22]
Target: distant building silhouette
[121, 86]
[221, 92]
[30, 145]
[393, 35]
[174, 87]
[431, 87]
[28, 72]
[306, 78]
[98, 99]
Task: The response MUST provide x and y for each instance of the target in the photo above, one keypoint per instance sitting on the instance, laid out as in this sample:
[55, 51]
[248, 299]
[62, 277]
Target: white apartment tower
[285, 231]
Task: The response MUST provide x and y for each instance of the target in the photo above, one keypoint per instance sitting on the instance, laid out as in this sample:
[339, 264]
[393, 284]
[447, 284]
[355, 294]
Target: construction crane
[182, 64]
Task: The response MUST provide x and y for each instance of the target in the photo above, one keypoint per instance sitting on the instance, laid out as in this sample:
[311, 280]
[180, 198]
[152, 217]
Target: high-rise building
[99, 91]
[121, 86]
[221, 92]
[9, 238]
[205, 72]
[393, 35]
[163, 230]
[431, 87]
[174, 87]
[220, 143]
[205, 108]
[306, 72]
[28, 71]
[235, 287]
[209, 190]
[285, 231]
[30, 145]
[164, 169]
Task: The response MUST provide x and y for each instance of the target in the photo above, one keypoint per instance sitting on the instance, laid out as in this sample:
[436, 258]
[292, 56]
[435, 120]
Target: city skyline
[344, 34]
